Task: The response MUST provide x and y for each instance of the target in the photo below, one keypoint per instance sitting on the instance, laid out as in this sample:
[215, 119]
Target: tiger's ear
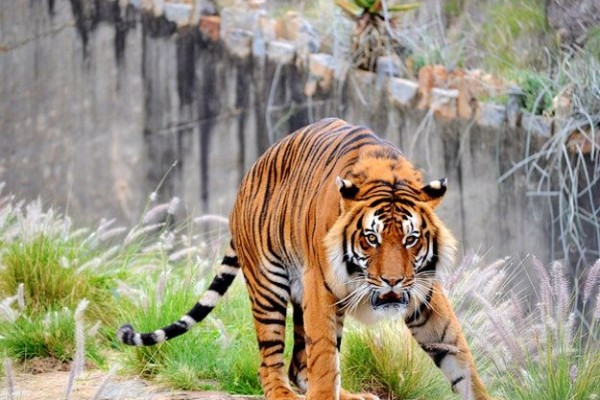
[434, 191]
[346, 187]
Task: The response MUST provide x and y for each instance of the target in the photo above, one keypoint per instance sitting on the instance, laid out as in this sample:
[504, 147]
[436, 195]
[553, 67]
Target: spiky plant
[373, 34]
[531, 336]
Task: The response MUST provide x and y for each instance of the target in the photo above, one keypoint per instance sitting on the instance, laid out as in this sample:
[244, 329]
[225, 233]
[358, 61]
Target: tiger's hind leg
[297, 370]
[435, 327]
[269, 295]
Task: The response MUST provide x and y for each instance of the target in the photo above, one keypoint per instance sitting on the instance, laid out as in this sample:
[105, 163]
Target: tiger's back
[288, 200]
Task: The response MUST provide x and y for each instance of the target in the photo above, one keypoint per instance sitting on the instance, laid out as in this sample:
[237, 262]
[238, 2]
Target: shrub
[537, 90]
[387, 361]
[45, 264]
[511, 33]
[532, 339]
[52, 336]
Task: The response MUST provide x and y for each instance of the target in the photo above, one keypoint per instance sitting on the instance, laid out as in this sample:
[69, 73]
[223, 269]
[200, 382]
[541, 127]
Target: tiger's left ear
[434, 191]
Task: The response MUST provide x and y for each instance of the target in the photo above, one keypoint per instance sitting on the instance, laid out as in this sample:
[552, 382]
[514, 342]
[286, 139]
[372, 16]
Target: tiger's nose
[392, 281]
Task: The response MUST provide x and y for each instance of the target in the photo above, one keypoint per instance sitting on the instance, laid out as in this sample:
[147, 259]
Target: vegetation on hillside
[372, 36]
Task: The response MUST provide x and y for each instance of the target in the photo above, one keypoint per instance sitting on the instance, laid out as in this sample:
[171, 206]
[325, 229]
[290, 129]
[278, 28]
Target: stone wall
[99, 99]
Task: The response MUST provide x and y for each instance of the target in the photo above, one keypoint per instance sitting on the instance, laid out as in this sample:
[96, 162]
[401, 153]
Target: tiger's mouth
[389, 300]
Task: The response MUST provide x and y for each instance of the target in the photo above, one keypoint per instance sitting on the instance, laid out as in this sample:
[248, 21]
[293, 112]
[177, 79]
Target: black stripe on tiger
[456, 382]
[221, 282]
[423, 310]
[439, 351]
[232, 261]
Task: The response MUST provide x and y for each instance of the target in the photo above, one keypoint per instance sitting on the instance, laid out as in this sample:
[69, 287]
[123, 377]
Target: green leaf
[365, 4]
[403, 7]
[350, 7]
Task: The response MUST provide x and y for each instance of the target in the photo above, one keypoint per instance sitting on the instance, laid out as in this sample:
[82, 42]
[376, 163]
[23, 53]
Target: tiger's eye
[372, 239]
[410, 241]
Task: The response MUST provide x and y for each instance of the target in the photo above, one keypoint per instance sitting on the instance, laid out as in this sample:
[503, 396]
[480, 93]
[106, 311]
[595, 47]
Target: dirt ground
[35, 384]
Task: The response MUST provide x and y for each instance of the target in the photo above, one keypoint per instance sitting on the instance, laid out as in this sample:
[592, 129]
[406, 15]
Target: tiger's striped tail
[226, 274]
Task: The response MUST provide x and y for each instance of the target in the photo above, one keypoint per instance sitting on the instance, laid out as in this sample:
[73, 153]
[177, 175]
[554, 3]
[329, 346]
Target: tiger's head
[387, 243]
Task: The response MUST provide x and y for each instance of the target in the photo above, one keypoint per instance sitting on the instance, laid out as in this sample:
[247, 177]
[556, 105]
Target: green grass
[558, 362]
[52, 336]
[507, 35]
[537, 90]
[218, 354]
[454, 7]
[553, 375]
[45, 264]
[592, 44]
[386, 360]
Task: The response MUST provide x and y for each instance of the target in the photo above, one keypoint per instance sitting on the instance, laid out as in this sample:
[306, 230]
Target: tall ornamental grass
[533, 328]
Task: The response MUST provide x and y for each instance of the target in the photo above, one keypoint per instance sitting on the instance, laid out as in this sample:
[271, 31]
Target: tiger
[337, 222]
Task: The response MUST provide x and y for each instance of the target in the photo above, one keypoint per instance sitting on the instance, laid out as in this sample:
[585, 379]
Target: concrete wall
[71, 109]
[98, 100]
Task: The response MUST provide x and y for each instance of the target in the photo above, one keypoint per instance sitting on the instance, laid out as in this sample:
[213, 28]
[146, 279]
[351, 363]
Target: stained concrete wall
[71, 109]
[98, 100]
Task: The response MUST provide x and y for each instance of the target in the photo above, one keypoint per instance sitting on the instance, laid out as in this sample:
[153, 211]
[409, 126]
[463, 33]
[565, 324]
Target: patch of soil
[52, 385]
[42, 365]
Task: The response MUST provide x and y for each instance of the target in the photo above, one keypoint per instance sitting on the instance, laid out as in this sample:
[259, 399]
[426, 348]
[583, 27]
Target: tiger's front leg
[323, 326]
[320, 321]
[435, 327]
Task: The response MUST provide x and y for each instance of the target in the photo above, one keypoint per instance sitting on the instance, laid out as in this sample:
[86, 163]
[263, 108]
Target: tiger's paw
[344, 395]
[284, 393]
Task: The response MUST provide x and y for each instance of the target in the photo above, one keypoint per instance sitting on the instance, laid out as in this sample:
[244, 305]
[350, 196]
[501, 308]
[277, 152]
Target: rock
[562, 103]
[443, 102]
[402, 92]
[181, 14]
[537, 124]
[238, 42]
[582, 140]
[491, 115]
[130, 389]
[281, 52]
[267, 27]
[573, 19]
[244, 16]
[321, 68]
[430, 76]
[514, 105]
[210, 26]
[154, 6]
[293, 28]
[466, 103]
[364, 79]
[388, 66]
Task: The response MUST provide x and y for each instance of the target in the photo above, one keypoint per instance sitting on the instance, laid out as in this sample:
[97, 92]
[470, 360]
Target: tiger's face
[384, 250]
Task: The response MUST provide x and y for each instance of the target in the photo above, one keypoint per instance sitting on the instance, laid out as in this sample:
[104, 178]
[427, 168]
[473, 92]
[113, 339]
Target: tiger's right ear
[434, 191]
[346, 187]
